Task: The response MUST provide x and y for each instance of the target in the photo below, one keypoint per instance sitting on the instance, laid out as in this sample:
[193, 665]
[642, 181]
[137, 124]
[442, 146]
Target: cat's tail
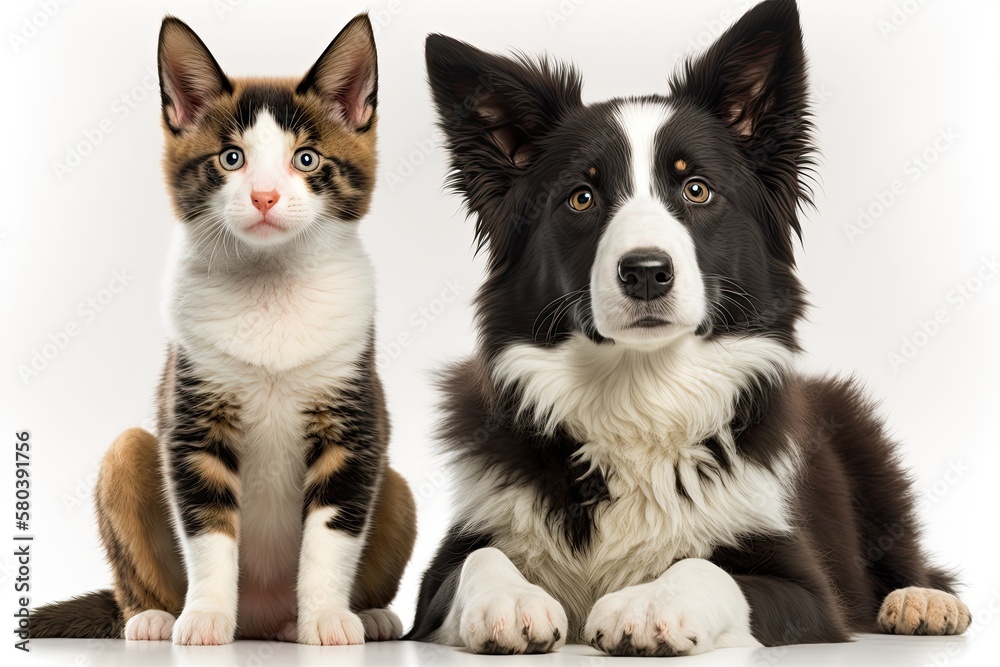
[92, 616]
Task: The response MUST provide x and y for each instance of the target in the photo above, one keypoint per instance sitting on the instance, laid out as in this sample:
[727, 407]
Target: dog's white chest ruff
[673, 502]
[643, 420]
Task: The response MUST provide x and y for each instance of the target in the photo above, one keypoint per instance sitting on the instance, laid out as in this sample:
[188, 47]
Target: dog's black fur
[520, 141]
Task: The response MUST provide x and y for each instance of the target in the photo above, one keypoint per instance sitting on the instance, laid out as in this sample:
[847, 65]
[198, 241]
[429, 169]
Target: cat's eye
[697, 191]
[581, 200]
[231, 159]
[305, 159]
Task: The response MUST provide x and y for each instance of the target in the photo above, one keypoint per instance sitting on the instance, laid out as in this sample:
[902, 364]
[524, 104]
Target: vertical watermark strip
[22, 540]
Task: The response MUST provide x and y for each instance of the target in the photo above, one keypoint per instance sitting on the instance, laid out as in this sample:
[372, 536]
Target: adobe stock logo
[34, 22]
[120, 109]
[900, 15]
[87, 311]
[912, 171]
[420, 321]
[957, 299]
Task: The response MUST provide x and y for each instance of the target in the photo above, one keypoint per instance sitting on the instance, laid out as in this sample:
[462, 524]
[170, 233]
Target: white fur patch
[209, 615]
[668, 397]
[692, 608]
[275, 312]
[641, 416]
[496, 610]
[644, 223]
[327, 567]
[640, 121]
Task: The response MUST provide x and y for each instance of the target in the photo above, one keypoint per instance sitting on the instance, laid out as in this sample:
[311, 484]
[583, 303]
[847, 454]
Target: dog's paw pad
[923, 611]
[151, 625]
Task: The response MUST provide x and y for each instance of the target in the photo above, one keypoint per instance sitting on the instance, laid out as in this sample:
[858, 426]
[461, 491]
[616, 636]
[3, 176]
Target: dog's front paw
[204, 628]
[692, 608]
[923, 611]
[522, 620]
[639, 621]
[150, 625]
[331, 628]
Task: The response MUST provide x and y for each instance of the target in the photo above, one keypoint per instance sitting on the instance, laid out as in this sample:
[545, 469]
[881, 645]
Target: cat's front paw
[331, 628]
[150, 625]
[204, 628]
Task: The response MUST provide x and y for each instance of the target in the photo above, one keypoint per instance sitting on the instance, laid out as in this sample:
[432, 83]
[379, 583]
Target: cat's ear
[493, 111]
[346, 75]
[754, 76]
[190, 78]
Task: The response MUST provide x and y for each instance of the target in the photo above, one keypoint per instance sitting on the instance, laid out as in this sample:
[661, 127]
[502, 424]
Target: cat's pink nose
[263, 201]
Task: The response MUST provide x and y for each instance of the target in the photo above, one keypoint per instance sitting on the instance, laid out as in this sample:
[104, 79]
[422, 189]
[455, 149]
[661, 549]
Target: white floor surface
[867, 650]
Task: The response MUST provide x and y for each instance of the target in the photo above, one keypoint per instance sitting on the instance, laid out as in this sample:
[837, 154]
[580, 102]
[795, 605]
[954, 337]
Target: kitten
[266, 509]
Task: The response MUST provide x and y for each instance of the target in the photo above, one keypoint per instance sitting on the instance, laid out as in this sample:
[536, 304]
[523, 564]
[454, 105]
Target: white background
[889, 77]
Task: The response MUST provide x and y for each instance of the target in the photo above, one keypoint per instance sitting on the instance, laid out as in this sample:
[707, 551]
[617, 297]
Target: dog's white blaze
[640, 415]
[640, 121]
[643, 222]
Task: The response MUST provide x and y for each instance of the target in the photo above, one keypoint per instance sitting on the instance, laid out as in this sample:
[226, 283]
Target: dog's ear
[493, 110]
[753, 79]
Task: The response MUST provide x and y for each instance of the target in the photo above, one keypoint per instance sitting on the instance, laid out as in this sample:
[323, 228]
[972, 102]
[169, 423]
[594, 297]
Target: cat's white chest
[275, 317]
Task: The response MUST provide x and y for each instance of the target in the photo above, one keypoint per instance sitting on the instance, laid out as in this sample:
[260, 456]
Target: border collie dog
[639, 466]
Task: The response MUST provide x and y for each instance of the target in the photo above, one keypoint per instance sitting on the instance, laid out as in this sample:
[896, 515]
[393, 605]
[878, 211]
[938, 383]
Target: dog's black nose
[646, 275]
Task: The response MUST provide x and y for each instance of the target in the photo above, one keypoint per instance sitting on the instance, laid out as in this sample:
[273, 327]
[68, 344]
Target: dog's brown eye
[697, 191]
[581, 200]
